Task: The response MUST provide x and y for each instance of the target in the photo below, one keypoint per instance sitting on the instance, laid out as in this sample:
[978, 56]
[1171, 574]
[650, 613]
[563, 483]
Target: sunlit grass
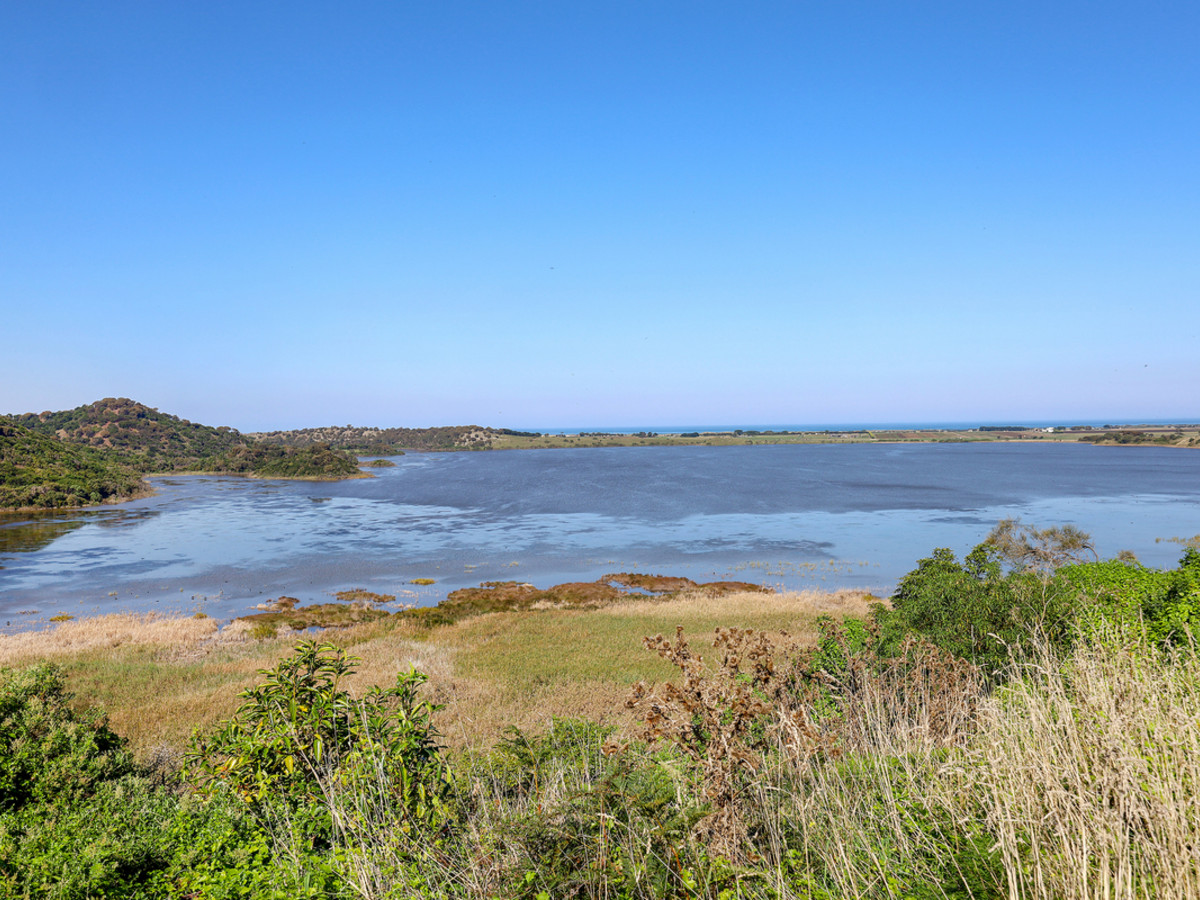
[161, 677]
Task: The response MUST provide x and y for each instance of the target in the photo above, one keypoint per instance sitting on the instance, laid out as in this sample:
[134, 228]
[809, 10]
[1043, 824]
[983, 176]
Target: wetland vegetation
[1017, 723]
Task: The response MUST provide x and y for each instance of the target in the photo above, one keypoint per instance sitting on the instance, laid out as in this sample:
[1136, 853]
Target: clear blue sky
[533, 214]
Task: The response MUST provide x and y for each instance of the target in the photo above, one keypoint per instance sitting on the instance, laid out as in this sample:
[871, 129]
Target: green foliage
[49, 753]
[974, 610]
[1165, 603]
[979, 612]
[317, 461]
[44, 472]
[75, 821]
[224, 850]
[115, 843]
[598, 819]
[299, 730]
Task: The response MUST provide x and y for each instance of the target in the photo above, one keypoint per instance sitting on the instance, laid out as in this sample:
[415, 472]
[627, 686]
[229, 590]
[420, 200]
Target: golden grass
[159, 677]
[1090, 775]
[104, 633]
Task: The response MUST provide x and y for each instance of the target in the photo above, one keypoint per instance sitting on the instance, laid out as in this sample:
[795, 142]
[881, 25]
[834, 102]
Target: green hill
[46, 473]
[384, 441]
[138, 436]
[97, 452]
[317, 461]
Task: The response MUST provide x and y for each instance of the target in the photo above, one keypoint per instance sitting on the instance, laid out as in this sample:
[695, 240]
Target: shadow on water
[30, 532]
[120, 518]
[34, 531]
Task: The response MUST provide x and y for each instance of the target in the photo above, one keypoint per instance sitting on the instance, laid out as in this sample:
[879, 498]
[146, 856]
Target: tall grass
[1088, 773]
[1078, 780]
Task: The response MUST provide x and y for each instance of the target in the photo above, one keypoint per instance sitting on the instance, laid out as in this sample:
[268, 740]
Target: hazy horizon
[675, 428]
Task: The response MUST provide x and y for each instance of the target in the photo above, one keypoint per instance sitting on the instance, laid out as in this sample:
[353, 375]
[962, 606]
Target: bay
[789, 516]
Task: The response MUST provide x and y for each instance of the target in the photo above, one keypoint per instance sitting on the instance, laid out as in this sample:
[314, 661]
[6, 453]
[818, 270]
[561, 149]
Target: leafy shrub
[1166, 604]
[76, 820]
[115, 843]
[976, 611]
[299, 727]
[49, 753]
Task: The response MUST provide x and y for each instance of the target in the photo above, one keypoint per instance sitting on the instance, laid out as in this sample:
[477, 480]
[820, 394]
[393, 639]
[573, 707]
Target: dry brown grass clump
[105, 633]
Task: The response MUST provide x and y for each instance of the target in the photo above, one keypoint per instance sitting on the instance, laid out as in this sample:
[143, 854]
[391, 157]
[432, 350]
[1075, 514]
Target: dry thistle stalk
[720, 716]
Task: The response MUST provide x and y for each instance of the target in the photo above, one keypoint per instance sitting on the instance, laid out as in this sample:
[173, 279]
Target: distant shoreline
[1126, 435]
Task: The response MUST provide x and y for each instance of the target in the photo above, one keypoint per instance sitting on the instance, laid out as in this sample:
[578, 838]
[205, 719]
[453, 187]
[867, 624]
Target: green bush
[76, 820]
[976, 611]
[49, 753]
[1165, 603]
[299, 730]
[115, 843]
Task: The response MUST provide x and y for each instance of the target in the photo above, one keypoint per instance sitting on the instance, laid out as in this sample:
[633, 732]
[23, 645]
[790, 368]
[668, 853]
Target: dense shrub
[1165, 603]
[75, 819]
[49, 753]
[977, 611]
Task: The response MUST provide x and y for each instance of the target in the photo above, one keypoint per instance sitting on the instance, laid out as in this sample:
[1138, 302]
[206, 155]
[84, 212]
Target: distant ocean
[862, 426]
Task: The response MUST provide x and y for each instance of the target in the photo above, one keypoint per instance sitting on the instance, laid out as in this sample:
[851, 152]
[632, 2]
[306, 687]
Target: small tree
[299, 735]
[1040, 549]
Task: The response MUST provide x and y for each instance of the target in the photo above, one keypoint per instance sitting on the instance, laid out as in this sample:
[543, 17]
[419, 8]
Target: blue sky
[539, 214]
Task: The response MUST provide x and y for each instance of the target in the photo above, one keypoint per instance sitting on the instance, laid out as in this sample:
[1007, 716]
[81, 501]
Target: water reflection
[26, 536]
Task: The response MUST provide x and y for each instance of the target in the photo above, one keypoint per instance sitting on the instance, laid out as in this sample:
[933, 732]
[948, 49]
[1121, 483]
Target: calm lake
[790, 516]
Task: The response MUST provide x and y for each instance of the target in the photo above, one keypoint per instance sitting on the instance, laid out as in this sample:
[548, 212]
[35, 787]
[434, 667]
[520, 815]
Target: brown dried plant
[724, 717]
[922, 695]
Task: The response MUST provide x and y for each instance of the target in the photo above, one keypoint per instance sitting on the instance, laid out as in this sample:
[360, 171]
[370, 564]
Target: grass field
[161, 677]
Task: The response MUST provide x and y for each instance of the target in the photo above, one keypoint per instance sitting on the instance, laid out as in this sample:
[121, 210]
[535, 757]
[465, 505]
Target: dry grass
[159, 677]
[105, 633]
[1090, 775]
[748, 610]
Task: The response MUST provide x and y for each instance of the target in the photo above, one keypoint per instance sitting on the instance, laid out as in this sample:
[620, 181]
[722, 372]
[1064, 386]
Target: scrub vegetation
[40, 472]
[1022, 723]
[99, 453]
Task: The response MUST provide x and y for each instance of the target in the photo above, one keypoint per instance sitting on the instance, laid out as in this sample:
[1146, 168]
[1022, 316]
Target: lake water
[789, 516]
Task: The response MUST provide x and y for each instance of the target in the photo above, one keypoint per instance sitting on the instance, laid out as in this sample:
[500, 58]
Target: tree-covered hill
[141, 437]
[316, 461]
[384, 441]
[40, 471]
[98, 452]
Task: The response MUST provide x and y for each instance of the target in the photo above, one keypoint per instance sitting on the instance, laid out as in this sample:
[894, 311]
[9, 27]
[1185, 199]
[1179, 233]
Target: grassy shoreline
[1016, 725]
[1189, 437]
[161, 676]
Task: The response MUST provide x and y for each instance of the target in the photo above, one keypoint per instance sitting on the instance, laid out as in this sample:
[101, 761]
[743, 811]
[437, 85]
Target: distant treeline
[387, 441]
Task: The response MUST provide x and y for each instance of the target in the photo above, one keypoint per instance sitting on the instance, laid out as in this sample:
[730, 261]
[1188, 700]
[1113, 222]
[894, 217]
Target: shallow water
[789, 516]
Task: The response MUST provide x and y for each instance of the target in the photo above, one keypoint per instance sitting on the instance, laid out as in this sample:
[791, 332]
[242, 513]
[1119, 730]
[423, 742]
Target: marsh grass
[1077, 778]
[160, 677]
[527, 668]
